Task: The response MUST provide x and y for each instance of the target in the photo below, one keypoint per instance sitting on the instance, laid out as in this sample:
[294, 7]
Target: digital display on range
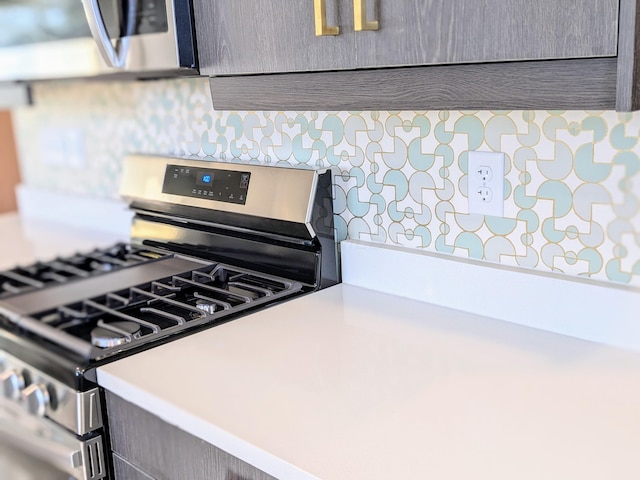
[204, 179]
[207, 183]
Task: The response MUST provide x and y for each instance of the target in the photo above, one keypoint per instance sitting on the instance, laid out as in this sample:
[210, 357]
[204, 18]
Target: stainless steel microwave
[51, 39]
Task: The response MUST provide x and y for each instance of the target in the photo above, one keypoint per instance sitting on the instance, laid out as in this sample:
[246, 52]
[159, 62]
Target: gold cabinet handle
[320, 14]
[360, 21]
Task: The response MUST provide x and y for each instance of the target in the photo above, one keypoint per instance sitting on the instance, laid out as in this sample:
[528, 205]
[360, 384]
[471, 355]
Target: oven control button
[12, 382]
[36, 399]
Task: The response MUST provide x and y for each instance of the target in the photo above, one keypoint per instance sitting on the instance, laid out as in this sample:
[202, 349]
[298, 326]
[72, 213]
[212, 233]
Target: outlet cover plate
[486, 175]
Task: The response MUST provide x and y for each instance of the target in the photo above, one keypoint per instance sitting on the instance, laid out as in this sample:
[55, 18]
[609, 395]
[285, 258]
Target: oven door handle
[114, 56]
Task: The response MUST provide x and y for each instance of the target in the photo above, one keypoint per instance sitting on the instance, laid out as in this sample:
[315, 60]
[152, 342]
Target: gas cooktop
[209, 242]
[161, 295]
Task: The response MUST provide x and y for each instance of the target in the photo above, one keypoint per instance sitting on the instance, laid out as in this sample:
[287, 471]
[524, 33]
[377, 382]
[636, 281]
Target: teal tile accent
[572, 182]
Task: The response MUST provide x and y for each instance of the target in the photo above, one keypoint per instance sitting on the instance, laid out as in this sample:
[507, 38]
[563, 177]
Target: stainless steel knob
[12, 382]
[36, 398]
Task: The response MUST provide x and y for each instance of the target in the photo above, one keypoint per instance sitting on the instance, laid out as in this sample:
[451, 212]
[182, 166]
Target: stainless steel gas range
[209, 242]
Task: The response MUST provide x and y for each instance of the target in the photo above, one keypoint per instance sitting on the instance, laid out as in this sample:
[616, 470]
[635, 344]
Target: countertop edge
[210, 433]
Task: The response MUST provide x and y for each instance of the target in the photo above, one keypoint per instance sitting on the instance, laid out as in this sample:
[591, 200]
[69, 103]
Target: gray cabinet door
[267, 36]
[147, 448]
[421, 32]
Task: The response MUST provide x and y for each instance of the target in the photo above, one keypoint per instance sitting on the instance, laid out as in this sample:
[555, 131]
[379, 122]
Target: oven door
[35, 448]
[49, 39]
[18, 465]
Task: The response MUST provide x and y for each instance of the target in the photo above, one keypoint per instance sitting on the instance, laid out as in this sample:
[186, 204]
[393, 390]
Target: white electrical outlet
[62, 147]
[486, 183]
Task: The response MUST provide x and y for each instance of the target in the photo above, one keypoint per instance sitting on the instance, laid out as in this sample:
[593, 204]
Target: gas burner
[113, 334]
[138, 314]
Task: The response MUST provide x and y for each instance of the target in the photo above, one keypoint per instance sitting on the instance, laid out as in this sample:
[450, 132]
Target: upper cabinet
[417, 54]
[248, 37]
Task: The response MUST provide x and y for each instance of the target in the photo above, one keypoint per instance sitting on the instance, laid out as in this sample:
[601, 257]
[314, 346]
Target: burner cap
[207, 307]
[112, 334]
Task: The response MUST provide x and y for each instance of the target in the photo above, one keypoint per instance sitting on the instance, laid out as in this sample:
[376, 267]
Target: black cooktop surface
[63, 270]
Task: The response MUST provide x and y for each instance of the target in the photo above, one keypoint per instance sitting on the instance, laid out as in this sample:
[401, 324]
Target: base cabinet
[147, 448]
[123, 469]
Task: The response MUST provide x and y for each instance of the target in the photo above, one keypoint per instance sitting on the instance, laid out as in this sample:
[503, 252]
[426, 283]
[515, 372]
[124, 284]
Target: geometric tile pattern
[572, 178]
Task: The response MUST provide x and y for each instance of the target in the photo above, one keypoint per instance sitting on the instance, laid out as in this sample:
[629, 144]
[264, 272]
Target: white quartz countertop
[24, 240]
[349, 383]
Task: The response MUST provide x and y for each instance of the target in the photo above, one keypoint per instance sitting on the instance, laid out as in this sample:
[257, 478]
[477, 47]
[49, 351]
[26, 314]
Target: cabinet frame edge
[576, 84]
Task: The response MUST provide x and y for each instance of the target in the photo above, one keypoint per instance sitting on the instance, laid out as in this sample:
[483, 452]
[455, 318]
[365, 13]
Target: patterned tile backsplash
[572, 178]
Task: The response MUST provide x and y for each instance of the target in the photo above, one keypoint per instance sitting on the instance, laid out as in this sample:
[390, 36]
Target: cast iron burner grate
[131, 317]
[39, 275]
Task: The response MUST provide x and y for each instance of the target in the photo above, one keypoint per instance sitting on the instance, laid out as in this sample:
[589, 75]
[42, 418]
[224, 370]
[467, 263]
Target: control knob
[36, 398]
[12, 382]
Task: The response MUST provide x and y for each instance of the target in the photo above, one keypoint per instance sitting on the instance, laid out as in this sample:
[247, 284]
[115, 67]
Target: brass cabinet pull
[320, 13]
[360, 21]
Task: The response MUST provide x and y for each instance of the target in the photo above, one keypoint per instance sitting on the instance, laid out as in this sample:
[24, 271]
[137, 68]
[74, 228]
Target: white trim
[595, 311]
[98, 214]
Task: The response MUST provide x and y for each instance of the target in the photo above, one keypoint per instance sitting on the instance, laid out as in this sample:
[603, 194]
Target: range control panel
[207, 183]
